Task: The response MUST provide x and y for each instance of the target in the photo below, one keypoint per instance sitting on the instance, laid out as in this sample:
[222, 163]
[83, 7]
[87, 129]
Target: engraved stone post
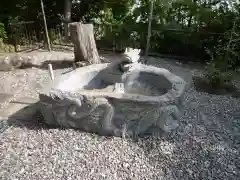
[82, 37]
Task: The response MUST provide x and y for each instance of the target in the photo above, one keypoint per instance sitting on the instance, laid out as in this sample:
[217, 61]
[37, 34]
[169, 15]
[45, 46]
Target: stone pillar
[85, 49]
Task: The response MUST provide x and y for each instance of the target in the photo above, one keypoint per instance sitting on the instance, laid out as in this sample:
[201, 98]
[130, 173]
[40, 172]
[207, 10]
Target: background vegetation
[203, 30]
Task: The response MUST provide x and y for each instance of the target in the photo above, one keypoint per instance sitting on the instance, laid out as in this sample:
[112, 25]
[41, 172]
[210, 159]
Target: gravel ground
[205, 146]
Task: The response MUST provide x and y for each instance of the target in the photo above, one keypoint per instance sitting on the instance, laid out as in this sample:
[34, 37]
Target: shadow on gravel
[27, 117]
[56, 64]
[31, 118]
[31, 49]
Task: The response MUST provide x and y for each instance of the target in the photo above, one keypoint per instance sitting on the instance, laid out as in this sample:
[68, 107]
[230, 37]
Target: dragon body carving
[150, 97]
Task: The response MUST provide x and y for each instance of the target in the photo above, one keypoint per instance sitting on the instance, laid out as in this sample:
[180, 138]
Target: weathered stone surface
[111, 101]
[85, 49]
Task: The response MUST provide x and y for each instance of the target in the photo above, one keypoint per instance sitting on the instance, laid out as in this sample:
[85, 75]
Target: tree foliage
[200, 29]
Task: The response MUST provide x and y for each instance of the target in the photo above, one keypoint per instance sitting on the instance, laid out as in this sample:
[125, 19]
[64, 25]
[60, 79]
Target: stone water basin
[109, 100]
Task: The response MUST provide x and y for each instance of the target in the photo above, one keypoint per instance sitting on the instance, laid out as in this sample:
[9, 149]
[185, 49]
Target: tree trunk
[149, 28]
[190, 21]
[45, 26]
[85, 48]
[67, 18]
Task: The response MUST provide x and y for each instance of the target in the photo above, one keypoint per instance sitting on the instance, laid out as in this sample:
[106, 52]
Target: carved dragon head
[132, 54]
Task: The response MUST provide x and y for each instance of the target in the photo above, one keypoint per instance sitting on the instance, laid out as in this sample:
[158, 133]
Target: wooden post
[67, 18]
[45, 26]
[149, 28]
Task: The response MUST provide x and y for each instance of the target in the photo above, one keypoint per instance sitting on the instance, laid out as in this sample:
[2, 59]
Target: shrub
[217, 76]
[3, 33]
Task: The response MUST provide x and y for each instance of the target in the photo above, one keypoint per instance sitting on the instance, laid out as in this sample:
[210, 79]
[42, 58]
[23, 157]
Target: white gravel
[205, 146]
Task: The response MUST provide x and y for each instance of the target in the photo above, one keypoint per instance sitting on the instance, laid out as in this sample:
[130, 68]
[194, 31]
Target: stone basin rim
[166, 98]
[171, 95]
